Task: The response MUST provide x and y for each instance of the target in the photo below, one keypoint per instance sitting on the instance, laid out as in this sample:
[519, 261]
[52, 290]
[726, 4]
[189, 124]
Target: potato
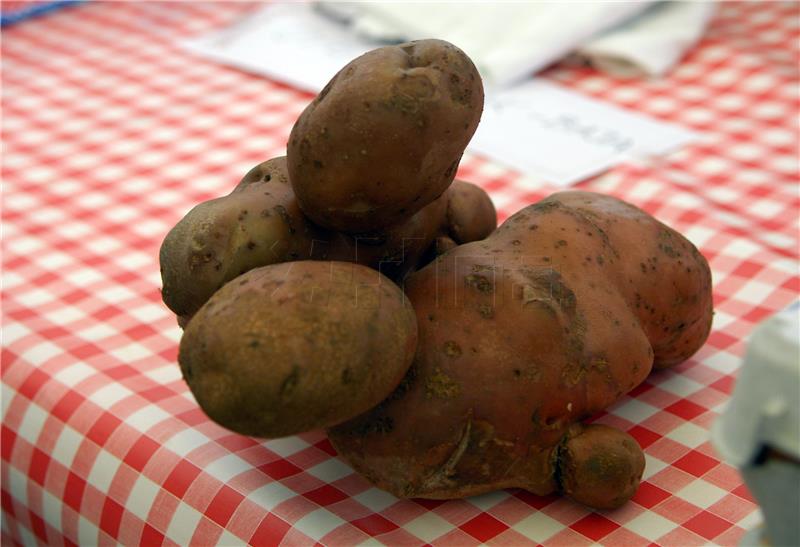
[273, 170]
[471, 215]
[385, 136]
[599, 466]
[552, 318]
[259, 223]
[297, 346]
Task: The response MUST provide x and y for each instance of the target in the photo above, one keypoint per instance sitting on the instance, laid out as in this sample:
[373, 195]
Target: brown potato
[385, 136]
[600, 466]
[273, 170]
[259, 223]
[562, 310]
[471, 215]
[292, 347]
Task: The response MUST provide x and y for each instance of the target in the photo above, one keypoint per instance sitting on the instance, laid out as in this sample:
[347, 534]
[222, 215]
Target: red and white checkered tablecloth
[111, 132]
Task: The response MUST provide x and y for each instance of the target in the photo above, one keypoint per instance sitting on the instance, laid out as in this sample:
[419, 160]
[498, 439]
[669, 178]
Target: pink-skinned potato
[554, 317]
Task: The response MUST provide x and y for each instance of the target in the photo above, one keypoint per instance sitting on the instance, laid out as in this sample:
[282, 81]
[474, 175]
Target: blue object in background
[34, 10]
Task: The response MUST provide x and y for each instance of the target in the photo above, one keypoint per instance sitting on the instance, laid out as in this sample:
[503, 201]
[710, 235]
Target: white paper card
[288, 42]
[564, 137]
[537, 127]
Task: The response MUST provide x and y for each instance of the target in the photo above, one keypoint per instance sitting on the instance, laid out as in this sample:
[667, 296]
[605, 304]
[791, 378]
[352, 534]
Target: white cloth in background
[651, 43]
[510, 41]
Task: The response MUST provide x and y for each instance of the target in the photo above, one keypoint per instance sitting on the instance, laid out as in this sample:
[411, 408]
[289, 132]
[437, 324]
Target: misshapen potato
[563, 309]
[385, 136]
[259, 223]
[292, 347]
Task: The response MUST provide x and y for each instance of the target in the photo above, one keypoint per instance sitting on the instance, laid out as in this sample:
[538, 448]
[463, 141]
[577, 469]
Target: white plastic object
[764, 409]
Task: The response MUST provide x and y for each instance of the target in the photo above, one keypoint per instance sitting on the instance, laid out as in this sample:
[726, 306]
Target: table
[112, 132]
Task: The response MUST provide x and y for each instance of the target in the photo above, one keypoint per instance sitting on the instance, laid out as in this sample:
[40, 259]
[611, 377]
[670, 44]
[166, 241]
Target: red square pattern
[696, 463]
[483, 527]
[181, 478]
[280, 469]
[141, 452]
[73, 492]
[110, 517]
[38, 468]
[374, 525]
[325, 495]
[707, 525]
[223, 505]
[649, 495]
[103, 428]
[151, 536]
[686, 409]
[643, 436]
[595, 526]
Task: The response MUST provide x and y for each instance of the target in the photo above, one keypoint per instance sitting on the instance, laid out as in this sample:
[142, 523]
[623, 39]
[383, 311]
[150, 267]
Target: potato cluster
[355, 286]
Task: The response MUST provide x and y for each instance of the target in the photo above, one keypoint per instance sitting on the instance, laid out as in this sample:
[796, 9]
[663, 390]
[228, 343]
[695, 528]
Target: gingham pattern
[111, 133]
